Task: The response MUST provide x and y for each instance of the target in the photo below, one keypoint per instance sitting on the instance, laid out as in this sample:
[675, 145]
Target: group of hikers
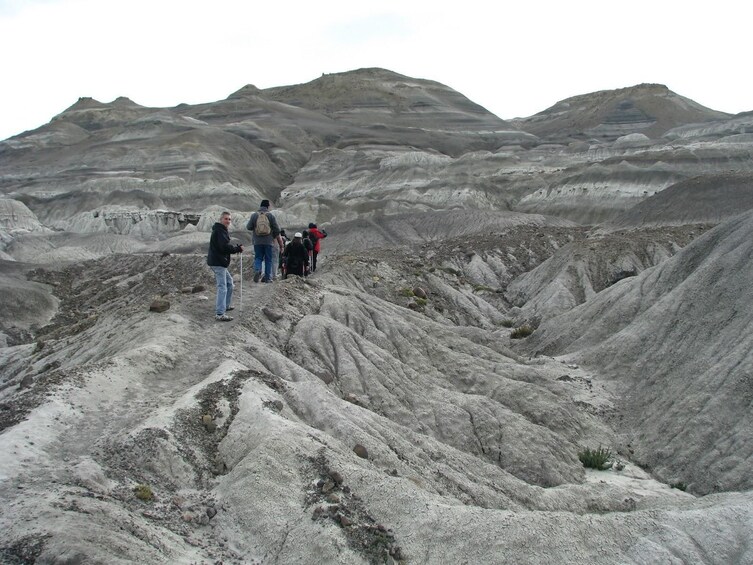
[273, 252]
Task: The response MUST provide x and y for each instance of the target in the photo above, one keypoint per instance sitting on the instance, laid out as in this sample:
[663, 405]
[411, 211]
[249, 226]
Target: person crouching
[296, 256]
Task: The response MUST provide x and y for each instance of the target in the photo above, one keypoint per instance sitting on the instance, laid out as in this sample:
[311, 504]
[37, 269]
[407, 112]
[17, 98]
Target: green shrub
[143, 492]
[482, 288]
[679, 485]
[451, 271]
[595, 458]
[407, 292]
[523, 331]
[508, 323]
[421, 301]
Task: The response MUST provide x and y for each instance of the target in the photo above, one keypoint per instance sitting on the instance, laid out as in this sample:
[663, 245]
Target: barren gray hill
[702, 199]
[356, 145]
[414, 112]
[650, 109]
[676, 342]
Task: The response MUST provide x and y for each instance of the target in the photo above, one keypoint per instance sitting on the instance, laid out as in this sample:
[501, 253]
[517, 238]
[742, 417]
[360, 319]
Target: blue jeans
[263, 253]
[224, 289]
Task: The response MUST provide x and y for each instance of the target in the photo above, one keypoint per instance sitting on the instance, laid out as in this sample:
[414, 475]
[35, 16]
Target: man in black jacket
[218, 259]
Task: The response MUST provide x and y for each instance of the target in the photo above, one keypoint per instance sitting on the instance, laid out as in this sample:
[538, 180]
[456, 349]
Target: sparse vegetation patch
[523, 331]
[143, 492]
[595, 458]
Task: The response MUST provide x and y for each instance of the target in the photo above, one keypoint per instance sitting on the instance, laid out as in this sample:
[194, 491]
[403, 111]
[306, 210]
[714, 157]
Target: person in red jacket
[315, 235]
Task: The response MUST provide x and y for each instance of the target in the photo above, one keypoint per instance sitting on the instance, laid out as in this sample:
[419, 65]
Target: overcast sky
[513, 57]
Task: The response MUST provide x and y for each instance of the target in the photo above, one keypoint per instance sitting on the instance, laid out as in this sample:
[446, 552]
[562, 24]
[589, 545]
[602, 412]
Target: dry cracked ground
[379, 411]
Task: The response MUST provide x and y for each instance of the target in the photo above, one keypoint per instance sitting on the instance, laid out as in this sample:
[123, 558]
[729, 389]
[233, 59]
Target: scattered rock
[198, 288]
[327, 378]
[361, 451]
[353, 399]
[566, 378]
[336, 477]
[344, 520]
[26, 382]
[274, 405]
[419, 292]
[159, 305]
[272, 314]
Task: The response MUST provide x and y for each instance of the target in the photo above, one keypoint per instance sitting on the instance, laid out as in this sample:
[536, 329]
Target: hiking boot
[224, 318]
[229, 308]
[266, 280]
[257, 276]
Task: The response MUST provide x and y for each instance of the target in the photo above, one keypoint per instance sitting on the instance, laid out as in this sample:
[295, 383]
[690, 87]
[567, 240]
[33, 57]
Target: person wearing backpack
[315, 235]
[266, 233]
[218, 259]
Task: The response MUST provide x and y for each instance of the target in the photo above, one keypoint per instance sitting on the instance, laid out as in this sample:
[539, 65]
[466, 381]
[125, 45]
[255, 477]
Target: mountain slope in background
[367, 143]
[649, 109]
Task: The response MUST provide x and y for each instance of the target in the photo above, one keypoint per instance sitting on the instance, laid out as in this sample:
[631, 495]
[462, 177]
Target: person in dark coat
[296, 256]
[218, 259]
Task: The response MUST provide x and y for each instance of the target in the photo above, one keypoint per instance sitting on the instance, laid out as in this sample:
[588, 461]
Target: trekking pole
[241, 308]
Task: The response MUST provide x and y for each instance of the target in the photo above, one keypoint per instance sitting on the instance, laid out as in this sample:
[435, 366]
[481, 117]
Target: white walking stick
[241, 308]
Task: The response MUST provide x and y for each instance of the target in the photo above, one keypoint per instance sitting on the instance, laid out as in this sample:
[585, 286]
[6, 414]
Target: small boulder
[159, 305]
[419, 292]
[361, 451]
[272, 314]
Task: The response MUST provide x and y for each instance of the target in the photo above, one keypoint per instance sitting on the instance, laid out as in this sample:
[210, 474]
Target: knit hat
[312, 225]
[264, 203]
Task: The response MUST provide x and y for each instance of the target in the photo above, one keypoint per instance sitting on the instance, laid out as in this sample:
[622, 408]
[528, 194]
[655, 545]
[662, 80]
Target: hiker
[281, 264]
[315, 235]
[307, 243]
[218, 259]
[266, 234]
[296, 257]
[277, 251]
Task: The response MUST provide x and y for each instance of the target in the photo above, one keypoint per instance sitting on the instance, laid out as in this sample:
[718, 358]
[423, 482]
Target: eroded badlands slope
[338, 420]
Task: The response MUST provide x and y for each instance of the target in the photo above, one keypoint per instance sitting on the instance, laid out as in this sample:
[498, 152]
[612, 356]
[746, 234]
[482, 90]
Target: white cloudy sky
[515, 58]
